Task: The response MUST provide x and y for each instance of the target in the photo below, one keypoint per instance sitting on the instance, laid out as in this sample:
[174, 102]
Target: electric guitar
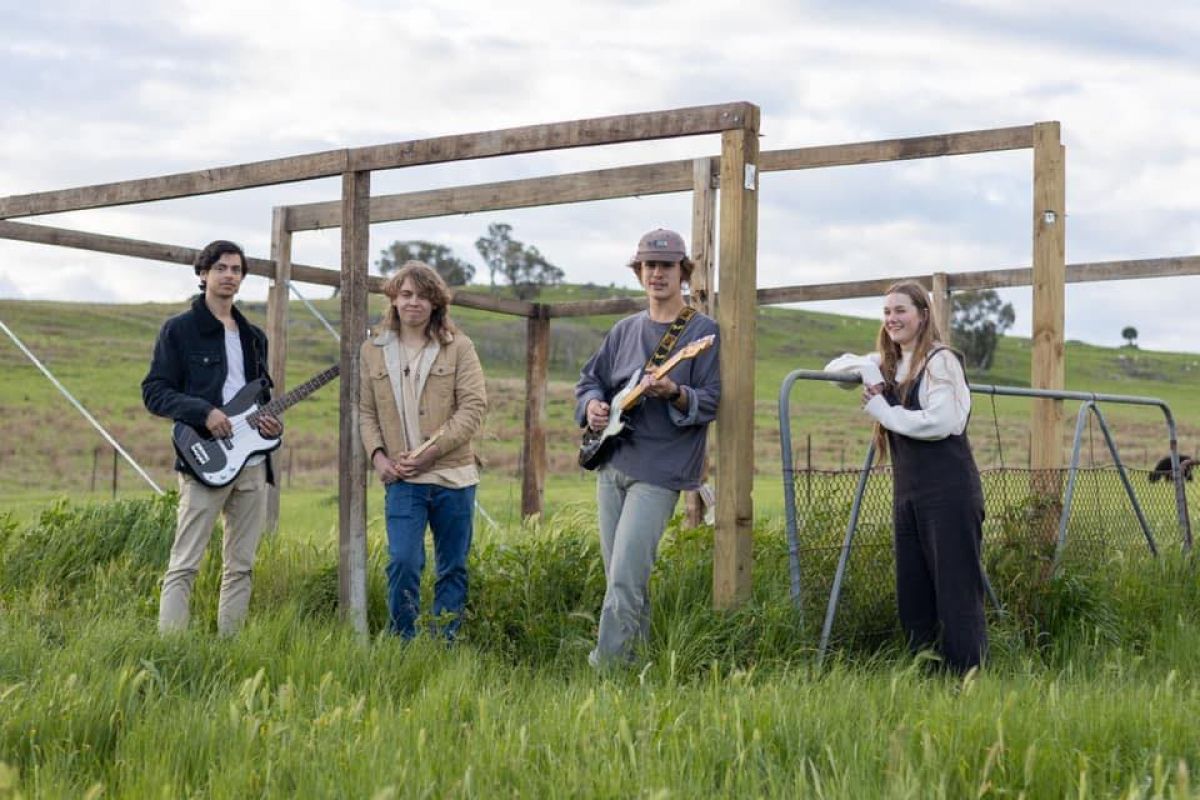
[597, 445]
[217, 462]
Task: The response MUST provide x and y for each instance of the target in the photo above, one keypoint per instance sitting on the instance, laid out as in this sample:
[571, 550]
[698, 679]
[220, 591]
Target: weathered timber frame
[738, 125]
[702, 177]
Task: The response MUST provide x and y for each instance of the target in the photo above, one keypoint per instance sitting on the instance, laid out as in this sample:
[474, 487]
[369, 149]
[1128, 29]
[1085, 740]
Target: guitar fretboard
[280, 404]
[691, 351]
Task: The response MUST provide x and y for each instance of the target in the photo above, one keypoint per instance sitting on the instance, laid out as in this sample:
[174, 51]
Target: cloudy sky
[104, 92]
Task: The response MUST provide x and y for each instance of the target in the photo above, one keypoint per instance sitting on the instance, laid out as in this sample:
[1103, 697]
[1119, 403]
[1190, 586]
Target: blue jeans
[450, 515]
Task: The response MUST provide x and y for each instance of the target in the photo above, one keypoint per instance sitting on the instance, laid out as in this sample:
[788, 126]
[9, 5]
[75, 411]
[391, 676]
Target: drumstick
[425, 445]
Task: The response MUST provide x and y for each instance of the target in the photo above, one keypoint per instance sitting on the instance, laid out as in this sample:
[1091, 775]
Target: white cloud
[145, 89]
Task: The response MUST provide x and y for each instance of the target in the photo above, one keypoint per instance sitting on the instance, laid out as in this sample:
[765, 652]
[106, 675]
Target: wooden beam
[277, 318]
[555, 136]
[352, 462]
[533, 452]
[590, 308]
[704, 234]
[1049, 274]
[648, 179]
[576, 187]
[175, 254]
[510, 141]
[489, 302]
[945, 144]
[940, 304]
[1084, 272]
[704, 216]
[736, 314]
[181, 184]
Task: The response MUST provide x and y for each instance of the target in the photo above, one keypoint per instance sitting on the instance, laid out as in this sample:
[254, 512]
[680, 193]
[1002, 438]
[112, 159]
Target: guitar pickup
[200, 453]
[226, 443]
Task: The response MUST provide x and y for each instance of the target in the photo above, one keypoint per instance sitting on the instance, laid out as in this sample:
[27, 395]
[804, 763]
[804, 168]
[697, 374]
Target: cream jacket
[453, 398]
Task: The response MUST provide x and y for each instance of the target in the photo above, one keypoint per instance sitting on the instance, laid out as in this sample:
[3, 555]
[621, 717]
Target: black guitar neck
[280, 404]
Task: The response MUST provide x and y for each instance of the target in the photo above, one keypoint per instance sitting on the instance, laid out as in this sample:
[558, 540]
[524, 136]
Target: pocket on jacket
[439, 387]
[204, 360]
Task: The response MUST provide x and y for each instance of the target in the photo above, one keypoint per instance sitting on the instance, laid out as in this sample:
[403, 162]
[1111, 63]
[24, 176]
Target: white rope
[316, 313]
[81, 409]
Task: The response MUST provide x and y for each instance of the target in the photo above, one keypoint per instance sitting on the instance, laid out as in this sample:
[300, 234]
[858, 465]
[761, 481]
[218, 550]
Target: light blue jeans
[633, 515]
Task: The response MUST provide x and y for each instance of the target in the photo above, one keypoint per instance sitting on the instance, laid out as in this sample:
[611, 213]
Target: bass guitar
[597, 445]
[217, 462]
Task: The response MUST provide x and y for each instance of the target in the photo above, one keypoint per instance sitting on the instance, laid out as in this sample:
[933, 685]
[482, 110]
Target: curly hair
[429, 285]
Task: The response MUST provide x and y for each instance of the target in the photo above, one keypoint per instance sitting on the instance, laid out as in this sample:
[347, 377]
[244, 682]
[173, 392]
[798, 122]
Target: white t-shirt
[235, 377]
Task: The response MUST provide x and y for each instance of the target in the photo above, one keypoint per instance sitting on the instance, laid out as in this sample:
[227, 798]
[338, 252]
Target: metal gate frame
[1089, 403]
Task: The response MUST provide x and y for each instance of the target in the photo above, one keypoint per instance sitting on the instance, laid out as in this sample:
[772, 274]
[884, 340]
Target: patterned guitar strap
[667, 343]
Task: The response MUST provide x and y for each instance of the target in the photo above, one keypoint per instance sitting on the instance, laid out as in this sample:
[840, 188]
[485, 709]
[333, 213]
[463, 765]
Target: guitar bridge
[200, 453]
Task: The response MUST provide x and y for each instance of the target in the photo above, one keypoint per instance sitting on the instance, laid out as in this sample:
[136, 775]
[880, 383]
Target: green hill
[100, 353]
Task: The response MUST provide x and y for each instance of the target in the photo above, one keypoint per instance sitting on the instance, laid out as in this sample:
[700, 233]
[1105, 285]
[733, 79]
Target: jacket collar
[386, 335]
[207, 321]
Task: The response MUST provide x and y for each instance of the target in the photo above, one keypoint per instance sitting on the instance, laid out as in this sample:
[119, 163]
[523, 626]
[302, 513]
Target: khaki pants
[243, 505]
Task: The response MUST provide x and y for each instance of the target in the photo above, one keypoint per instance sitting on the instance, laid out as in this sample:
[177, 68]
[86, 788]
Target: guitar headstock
[697, 347]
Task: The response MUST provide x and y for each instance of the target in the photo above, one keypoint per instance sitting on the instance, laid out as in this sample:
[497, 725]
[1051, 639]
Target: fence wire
[1019, 532]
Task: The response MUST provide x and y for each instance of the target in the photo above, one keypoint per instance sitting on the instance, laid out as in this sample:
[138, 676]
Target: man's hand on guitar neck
[665, 389]
[220, 426]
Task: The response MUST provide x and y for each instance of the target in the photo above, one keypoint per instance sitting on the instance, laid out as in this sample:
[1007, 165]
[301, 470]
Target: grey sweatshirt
[666, 446]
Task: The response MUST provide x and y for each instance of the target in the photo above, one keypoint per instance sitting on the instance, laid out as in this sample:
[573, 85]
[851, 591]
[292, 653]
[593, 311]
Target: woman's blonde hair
[429, 285]
[928, 337]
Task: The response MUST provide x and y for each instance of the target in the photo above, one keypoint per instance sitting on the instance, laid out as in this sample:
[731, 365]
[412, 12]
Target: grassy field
[101, 353]
[1091, 690]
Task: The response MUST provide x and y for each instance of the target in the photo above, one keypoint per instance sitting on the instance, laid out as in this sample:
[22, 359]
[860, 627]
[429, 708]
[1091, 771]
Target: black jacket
[187, 371]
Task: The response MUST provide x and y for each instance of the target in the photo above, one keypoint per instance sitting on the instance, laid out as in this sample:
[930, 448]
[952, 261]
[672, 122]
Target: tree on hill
[525, 269]
[1129, 334]
[979, 320]
[453, 270]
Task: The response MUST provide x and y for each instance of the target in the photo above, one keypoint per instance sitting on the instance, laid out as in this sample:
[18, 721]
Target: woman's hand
[871, 390]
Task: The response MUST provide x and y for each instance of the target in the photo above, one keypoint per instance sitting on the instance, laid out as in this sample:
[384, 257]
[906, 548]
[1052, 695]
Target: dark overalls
[937, 511]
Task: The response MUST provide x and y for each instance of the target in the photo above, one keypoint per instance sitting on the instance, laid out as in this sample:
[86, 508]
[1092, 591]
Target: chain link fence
[1020, 533]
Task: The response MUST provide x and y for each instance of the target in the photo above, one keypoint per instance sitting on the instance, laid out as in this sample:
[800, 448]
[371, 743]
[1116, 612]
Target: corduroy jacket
[453, 398]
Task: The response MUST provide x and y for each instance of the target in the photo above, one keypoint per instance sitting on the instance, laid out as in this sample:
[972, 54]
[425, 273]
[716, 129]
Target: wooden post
[352, 463]
[940, 306]
[533, 454]
[114, 473]
[704, 215]
[1049, 273]
[95, 466]
[277, 317]
[736, 312]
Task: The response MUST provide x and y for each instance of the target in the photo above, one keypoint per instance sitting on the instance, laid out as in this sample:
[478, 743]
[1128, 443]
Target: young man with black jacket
[202, 358]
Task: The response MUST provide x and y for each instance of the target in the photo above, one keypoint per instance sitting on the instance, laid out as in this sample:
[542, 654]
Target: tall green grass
[93, 702]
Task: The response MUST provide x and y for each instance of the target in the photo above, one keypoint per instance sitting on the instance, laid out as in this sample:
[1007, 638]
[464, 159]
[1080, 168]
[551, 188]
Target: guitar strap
[667, 342]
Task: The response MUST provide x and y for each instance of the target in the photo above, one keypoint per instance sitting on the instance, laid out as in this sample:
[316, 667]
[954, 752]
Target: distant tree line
[521, 266]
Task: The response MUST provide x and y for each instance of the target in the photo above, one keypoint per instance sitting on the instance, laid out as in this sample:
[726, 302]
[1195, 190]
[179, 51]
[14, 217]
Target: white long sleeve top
[944, 396]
